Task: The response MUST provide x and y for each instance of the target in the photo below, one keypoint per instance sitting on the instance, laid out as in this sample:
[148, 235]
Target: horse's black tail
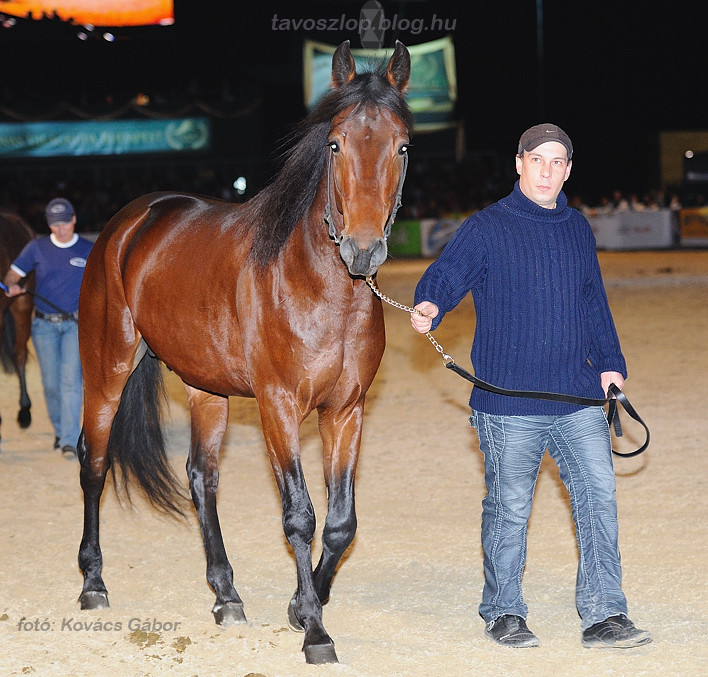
[7, 349]
[136, 444]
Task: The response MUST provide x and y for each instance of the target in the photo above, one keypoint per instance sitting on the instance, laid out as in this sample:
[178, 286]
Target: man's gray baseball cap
[538, 134]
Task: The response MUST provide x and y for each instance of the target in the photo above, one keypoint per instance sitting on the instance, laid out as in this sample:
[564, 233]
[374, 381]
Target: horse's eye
[334, 146]
[403, 149]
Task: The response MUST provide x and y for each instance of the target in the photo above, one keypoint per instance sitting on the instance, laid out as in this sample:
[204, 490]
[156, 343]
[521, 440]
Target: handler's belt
[56, 318]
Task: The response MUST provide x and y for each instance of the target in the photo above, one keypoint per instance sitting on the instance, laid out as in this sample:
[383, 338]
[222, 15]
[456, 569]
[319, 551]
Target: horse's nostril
[363, 261]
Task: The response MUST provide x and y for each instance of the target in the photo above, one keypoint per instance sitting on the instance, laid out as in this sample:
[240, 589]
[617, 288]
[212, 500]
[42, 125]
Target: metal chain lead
[408, 309]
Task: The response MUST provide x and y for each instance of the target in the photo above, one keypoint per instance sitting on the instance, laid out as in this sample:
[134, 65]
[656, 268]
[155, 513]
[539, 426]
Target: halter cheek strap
[329, 220]
[397, 203]
[328, 207]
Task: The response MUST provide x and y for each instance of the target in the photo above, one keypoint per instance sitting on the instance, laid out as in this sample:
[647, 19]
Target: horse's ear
[399, 67]
[343, 66]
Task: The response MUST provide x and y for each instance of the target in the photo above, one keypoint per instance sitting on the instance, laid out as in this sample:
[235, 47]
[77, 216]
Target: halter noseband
[329, 220]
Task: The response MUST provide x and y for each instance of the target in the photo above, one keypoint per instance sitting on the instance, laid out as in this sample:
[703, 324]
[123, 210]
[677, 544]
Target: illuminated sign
[116, 137]
[432, 90]
[94, 12]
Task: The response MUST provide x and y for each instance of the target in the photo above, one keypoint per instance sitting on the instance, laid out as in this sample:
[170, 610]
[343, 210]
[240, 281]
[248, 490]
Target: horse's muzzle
[363, 262]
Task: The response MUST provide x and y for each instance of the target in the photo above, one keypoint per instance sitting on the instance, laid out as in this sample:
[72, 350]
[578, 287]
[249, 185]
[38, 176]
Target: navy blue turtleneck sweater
[543, 321]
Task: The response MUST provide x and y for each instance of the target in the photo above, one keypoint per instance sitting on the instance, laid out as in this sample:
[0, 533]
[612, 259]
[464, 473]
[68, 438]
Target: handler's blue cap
[59, 210]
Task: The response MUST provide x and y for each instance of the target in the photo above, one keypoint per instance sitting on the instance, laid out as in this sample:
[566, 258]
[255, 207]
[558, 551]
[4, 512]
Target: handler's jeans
[57, 348]
[513, 447]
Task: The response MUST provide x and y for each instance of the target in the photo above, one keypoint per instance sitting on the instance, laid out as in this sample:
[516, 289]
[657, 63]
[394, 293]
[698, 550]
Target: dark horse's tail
[136, 444]
[7, 349]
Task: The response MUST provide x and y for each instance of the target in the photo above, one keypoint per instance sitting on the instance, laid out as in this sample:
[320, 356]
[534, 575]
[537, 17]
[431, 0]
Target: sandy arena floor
[405, 599]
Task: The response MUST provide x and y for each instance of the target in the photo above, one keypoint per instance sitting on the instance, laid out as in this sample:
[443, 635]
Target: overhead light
[240, 185]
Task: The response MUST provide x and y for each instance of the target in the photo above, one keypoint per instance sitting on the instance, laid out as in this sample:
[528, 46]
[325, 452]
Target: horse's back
[164, 268]
[165, 236]
[172, 212]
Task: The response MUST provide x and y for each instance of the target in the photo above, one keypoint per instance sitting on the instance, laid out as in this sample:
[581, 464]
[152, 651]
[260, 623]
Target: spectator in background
[635, 204]
[618, 203]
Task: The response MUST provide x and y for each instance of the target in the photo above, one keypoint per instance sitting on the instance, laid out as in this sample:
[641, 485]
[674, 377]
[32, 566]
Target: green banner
[114, 137]
[405, 238]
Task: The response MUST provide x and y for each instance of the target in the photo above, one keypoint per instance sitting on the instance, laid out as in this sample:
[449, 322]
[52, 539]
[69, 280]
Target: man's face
[542, 172]
[63, 232]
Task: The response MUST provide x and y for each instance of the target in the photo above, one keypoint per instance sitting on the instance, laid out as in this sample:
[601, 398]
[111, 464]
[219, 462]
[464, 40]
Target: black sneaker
[69, 453]
[615, 632]
[56, 442]
[509, 630]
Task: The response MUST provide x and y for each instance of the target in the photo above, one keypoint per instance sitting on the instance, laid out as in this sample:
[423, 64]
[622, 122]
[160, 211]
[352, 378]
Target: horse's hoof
[317, 654]
[24, 418]
[92, 599]
[293, 620]
[230, 614]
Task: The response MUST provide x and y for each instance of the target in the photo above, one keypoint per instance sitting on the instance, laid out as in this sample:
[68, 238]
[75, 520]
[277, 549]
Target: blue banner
[114, 137]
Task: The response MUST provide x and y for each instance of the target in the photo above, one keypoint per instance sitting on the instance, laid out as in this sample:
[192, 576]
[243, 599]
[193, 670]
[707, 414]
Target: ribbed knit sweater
[542, 317]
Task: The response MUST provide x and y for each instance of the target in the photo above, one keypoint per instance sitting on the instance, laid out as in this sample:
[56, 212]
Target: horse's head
[367, 148]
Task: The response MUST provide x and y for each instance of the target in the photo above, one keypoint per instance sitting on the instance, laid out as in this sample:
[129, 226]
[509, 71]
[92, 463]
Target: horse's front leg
[341, 437]
[281, 425]
[209, 416]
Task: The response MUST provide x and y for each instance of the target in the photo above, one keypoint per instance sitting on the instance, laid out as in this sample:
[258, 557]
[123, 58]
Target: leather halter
[329, 220]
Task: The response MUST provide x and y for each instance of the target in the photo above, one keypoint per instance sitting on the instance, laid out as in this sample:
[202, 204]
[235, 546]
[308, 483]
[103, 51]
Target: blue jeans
[57, 348]
[513, 447]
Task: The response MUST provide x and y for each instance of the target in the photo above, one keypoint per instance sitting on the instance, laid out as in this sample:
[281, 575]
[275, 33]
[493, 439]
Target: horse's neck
[313, 247]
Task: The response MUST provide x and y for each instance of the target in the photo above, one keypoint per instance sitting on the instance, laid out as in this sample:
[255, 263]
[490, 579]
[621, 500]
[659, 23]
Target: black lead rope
[61, 311]
[614, 394]
[611, 400]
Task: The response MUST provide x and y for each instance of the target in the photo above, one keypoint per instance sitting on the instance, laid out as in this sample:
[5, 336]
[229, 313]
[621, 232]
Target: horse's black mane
[276, 210]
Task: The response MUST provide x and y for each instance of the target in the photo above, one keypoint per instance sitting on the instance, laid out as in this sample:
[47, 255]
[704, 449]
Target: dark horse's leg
[281, 431]
[99, 412]
[132, 441]
[15, 329]
[341, 436]
[209, 416]
[21, 311]
[93, 477]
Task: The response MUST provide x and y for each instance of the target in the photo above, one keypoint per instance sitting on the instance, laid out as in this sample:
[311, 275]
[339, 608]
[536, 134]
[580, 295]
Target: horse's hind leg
[104, 381]
[93, 478]
[209, 416]
[102, 396]
[21, 311]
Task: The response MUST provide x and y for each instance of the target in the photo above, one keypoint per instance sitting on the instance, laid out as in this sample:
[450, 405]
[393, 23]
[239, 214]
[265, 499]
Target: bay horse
[251, 300]
[15, 313]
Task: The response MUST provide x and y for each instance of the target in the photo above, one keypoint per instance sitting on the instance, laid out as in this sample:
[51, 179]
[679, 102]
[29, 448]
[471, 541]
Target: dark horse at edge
[15, 313]
[256, 301]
